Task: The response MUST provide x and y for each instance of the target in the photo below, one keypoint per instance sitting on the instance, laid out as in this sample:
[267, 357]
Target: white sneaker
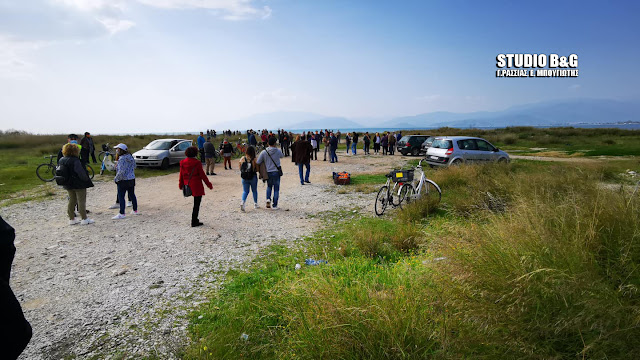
[114, 206]
[133, 212]
[118, 217]
[74, 221]
[129, 204]
[242, 207]
[275, 208]
[255, 206]
[87, 221]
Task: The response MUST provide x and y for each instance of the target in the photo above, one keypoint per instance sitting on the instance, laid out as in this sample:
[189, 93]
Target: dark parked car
[411, 144]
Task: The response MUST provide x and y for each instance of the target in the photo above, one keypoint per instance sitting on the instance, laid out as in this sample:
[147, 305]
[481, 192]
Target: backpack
[341, 178]
[62, 175]
[246, 170]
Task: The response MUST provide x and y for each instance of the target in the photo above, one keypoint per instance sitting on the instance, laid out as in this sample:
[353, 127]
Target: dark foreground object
[15, 330]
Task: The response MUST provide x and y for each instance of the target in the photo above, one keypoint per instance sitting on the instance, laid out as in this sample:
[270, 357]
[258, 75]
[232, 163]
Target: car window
[468, 144]
[404, 139]
[184, 146]
[429, 141]
[484, 146]
[442, 144]
[159, 145]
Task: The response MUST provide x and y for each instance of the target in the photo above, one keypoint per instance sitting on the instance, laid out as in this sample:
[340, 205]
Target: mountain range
[549, 113]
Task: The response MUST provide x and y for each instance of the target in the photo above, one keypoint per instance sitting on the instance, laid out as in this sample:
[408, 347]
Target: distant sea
[634, 126]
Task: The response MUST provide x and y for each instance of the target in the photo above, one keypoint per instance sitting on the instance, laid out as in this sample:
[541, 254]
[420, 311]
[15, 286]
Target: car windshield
[159, 145]
[428, 142]
[441, 144]
[404, 139]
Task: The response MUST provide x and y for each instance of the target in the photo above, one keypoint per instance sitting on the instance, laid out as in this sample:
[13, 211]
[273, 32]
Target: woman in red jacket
[191, 173]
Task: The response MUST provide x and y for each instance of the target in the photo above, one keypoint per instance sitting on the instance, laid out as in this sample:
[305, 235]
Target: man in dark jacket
[88, 149]
[333, 148]
[210, 156]
[302, 157]
[15, 330]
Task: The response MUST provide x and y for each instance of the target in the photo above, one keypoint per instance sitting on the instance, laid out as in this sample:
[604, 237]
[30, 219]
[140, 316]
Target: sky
[118, 66]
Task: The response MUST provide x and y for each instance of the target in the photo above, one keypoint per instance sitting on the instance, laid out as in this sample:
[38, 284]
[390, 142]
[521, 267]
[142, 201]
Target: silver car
[455, 150]
[162, 153]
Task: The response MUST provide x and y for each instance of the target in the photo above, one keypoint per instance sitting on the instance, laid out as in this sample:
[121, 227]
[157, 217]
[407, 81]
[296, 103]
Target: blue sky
[182, 65]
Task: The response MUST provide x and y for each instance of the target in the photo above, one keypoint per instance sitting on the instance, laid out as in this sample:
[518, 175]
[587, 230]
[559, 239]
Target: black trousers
[196, 209]
[93, 157]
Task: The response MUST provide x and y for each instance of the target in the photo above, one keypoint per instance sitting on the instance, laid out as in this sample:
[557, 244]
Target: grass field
[526, 260]
[22, 153]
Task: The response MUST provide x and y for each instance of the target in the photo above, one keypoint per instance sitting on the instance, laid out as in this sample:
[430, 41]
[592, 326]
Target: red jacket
[192, 164]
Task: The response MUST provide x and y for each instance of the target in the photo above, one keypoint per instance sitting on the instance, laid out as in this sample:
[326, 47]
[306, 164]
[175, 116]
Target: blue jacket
[201, 142]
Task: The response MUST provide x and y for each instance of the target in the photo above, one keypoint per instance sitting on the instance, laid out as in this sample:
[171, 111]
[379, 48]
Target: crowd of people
[253, 165]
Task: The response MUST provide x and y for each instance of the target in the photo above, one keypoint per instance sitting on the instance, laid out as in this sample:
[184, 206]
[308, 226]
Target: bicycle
[47, 171]
[386, 195]
[425, 188]
[107, 159]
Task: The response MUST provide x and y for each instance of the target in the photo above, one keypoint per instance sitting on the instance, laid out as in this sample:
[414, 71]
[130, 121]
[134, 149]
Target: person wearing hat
[227, 150]
[125, 180]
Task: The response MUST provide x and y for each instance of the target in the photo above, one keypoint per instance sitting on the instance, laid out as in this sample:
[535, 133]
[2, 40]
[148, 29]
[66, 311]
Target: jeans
[129, 187]
[306, 178]
[250, 184]
[348, 146]
[354, 147]
[333, 156]
[366, 148]
[273, 182]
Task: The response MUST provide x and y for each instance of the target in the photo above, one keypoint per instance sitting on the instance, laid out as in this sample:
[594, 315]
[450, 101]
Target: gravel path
[124, 288]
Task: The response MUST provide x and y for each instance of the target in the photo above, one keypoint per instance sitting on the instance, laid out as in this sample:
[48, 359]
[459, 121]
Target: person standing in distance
[302, 158]
[271, 158]
[209, 156]
[201, 142]
[125, 180]
[77, 183]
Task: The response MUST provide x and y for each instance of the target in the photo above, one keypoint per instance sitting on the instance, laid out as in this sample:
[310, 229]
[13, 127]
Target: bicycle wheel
[46, 172]
[90, 171]
[431, 191]
[381, 200]
[394, 195]
[218, 157]
[101, 155]
[407, 194]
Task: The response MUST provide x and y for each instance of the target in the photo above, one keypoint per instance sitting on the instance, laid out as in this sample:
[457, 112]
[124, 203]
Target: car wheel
[456, 162]
[415, 152]
[502, 160]
[165, 164]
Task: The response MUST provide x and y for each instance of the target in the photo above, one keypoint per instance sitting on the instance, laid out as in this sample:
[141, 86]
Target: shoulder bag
[279, 167]
[186, 189]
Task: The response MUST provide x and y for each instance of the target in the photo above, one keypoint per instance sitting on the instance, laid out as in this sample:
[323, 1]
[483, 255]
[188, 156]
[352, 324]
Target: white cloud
[116, 25]
[109, 13]
[227, 9]
[14, 56]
